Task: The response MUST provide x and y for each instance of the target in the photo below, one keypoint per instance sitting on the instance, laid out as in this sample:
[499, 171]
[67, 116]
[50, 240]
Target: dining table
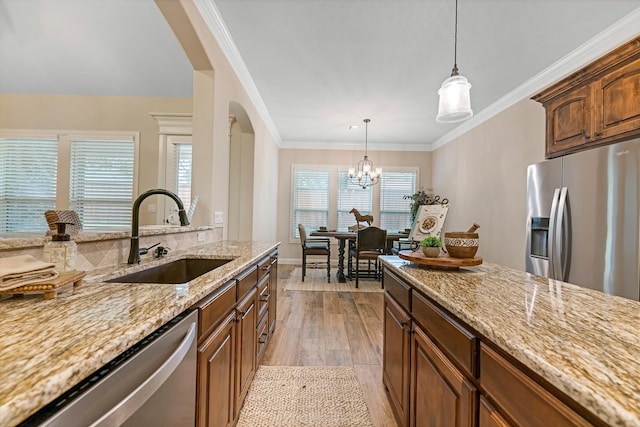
[344, 236]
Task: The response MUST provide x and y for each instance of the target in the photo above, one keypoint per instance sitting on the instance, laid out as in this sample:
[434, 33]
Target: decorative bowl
[461, 244]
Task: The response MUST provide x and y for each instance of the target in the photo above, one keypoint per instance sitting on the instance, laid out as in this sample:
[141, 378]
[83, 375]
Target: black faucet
[134, 250]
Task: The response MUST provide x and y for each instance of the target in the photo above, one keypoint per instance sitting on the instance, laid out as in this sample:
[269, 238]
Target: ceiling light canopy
[455, 100]
[365, 175]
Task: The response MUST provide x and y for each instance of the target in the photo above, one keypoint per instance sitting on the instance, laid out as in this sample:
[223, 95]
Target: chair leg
[357, 271]
[304, 265]
[329, 267]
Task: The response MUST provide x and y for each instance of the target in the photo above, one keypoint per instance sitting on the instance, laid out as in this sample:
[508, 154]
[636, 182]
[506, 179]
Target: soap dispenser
[61, 250]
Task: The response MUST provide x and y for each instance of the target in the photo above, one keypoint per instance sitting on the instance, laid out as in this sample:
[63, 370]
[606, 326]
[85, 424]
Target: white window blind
[101, 182]
[395, 212]
[351, 195]
[310, 199]
[182, 165]
[27, 183]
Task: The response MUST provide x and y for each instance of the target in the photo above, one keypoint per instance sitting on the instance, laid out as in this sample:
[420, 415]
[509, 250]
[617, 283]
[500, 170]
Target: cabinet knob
[586, 137]
[596, 134]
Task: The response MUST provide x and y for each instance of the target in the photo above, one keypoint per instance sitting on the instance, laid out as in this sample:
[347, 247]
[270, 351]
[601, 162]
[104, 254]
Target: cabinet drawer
[399, 290]
[454, 339]
[262, 335]
[212, 308]
[264, 267]
[246, 281]
[518, 396]
[263, 296]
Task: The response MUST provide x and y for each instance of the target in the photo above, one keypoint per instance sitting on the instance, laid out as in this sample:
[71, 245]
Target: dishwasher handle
[130, 404]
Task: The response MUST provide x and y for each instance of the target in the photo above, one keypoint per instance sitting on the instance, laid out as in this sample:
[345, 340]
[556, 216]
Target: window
[351, 195]
[310, 194]
[395, 211]
[178, 171]
[92, 173]
[101, 183]
[27, 183]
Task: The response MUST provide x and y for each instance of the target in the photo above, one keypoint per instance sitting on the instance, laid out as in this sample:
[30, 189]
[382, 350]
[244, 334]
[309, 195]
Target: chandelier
[365, 175]
[455, 101]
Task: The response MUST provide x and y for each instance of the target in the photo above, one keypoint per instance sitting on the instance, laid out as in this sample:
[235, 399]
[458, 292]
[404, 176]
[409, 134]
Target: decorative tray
[50, 288]
[443, 261]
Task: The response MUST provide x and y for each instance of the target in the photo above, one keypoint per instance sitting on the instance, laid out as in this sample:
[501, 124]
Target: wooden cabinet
[245, 347]
[273, 291]
[396, 357]
[597, 105]
[233, 323]
[441, 395]
[518, 396]
[489, 417]
[216, 356]
[454, 376]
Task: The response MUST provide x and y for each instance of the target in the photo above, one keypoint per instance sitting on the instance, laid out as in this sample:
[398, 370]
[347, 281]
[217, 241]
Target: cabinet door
[396, 359]
[216, 376]
[440, 393]
[489, 417]
[273, 291]
[245, 347]
[569, 121]
[617, 97]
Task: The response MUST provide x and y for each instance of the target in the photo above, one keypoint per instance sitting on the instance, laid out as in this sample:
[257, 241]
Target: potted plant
[431, 246]
[418, 198]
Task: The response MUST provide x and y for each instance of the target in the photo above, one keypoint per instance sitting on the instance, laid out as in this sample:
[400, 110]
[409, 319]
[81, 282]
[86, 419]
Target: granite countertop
[50, 345]
[585, 343]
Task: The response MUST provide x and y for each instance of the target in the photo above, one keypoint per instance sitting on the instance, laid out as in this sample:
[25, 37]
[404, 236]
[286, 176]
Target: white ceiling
[318, 65]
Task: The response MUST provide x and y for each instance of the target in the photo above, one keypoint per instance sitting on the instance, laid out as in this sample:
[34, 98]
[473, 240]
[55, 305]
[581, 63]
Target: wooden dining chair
[370, 243]
[314, 246]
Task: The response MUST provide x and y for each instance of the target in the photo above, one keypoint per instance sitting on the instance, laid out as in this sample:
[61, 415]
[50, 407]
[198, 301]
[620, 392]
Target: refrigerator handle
[552, 234]
[561, 253]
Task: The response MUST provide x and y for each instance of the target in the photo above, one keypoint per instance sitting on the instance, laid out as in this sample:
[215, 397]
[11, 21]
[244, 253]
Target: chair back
[371, 238]
[303, 234]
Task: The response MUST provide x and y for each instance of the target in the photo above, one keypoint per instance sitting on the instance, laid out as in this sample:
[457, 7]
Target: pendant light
[366, 175]
[455, 101]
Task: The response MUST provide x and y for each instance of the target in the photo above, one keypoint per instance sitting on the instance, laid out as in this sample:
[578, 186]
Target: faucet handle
[144, 251]
[160, 251]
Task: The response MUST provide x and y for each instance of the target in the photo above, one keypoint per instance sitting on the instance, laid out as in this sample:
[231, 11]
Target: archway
[241, 159]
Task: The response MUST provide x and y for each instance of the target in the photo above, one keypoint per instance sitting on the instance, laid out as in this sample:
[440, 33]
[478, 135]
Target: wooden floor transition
[333, 329]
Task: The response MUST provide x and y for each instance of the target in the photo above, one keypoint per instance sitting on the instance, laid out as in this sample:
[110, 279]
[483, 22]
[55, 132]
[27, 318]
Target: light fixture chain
[455, 40]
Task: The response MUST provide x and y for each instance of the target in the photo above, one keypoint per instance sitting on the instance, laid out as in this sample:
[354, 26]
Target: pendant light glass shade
[455, 100]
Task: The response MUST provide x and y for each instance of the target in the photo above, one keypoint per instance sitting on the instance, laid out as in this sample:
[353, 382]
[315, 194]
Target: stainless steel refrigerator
[583, 213]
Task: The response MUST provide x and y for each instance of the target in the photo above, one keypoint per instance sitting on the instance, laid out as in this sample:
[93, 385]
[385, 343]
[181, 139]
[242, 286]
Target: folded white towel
[23, 270]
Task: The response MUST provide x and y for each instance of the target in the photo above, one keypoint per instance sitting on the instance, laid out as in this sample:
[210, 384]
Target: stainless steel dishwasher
[151, 384]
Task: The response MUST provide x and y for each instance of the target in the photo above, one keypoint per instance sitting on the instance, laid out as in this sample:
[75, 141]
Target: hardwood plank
[333, 329]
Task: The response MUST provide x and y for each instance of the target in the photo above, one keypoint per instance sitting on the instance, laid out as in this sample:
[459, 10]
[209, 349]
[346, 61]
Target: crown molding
[355, 146]
[212, 17]
[612, 37]
[174, 123]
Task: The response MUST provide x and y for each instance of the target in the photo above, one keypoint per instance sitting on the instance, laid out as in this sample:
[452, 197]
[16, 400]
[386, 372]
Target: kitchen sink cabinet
[233, 333]
[455, 377]
[216, 375]
[597, 105]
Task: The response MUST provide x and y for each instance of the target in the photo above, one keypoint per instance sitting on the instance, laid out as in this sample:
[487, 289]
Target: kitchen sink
[175, 272]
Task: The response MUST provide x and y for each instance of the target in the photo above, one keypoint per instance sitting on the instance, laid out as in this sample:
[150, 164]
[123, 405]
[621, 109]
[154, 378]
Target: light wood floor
[333, 329]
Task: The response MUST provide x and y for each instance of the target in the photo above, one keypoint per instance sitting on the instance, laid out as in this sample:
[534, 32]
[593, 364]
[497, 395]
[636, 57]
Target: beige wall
[290, 251]
[215, 89]
[483, 174]
[108, 113]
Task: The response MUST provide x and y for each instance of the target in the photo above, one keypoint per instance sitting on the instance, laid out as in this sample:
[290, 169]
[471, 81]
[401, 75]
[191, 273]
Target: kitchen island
[579, 347]
[48, 346]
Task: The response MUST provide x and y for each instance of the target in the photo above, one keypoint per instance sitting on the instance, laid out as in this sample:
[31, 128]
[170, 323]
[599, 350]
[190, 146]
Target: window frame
[64, 138]
[293, 226]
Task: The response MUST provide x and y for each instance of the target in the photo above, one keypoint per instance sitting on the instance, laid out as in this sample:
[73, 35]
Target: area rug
[295, 396]
[316, 280]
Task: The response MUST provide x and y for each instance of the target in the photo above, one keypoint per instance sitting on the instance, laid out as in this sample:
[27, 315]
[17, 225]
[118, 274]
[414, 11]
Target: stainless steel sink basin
[175, 272]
